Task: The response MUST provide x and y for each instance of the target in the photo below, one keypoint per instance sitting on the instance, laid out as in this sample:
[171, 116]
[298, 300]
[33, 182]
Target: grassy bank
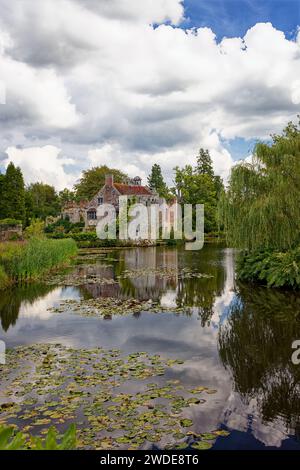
[26, 261]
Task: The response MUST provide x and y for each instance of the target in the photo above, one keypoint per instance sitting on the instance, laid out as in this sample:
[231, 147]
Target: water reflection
[234, 338]
[255, 345]
[13, 300]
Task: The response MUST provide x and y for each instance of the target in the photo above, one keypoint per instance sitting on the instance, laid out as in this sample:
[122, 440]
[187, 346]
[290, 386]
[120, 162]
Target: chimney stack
[109, 180]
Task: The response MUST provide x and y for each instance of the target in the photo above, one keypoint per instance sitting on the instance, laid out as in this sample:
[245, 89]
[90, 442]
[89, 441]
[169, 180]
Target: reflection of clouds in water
[246, 418]
[168, 299]
[167, 334]
[223, 301]
[39, 308]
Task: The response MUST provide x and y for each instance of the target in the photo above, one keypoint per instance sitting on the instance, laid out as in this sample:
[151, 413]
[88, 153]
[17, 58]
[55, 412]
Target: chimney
[109, 180]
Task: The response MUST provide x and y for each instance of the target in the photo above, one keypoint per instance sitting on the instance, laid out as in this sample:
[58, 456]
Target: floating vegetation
[164, 273]
[77, 279]
[106, 307]
[50, 385]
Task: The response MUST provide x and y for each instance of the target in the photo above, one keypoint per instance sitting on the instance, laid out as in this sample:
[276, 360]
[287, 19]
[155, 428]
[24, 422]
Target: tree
[13, 194]
[196, 188]
[92, 181]
[261, 209]
[204, 163]
[156, 182]
[41, 201]
[66, 196]
[2, 182]
[199, 185]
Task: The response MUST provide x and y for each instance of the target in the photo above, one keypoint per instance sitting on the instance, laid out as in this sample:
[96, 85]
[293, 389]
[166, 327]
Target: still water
[233, 338]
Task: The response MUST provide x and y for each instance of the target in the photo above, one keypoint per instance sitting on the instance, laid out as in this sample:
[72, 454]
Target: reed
[26, 261]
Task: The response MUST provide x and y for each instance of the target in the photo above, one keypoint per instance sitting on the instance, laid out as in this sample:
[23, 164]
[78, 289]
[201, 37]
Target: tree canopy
[199, 185]
[42, 201]
[261, 209]
[12, 194]
[92, 181]
[157, 183]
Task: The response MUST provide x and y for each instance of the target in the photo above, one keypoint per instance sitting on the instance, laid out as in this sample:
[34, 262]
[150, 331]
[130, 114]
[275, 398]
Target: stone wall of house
[110, 196]
[74, 214]
[10, 232]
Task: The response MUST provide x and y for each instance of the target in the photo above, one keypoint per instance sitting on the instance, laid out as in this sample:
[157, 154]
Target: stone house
[110, 193]
[75, 212]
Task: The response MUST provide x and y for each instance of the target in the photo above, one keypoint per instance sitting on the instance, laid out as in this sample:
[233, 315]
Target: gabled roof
[129, 190]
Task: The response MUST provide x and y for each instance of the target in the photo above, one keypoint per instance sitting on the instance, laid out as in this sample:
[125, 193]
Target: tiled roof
[128, 190]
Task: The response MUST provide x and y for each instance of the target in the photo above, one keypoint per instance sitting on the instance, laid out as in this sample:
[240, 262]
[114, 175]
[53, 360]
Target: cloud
[134, 89]
[42, 164]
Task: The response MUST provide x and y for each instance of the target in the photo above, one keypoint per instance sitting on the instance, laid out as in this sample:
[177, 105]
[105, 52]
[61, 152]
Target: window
[100, 201]
[92, 215]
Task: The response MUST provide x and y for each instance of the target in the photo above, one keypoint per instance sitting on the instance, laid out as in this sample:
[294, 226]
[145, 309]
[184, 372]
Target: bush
[10, 222]
[64, 226]
[16, 440]
[276, 269]
[35, 229]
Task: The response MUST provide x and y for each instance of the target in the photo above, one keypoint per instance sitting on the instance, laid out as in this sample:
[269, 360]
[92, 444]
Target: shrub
[35, 229]
[16, 440]
[10, 222]
[276, 269]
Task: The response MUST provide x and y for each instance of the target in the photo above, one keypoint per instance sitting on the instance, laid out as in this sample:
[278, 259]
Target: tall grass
[29, 260]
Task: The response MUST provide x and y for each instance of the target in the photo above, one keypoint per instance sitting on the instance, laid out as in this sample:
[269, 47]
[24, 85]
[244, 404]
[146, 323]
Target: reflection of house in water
[149, 284]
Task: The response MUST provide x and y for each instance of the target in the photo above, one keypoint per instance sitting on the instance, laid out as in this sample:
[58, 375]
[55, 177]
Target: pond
[234, 341]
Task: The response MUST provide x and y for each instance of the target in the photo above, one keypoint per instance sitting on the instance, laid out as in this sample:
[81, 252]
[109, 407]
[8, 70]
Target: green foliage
[10, 222]
[276, 269]
[12, 440]
[12, 194]
[9, 440]
[4, 280]
[66, 196]
[199, 185]
[261, 209]
[156, 182]
[29, 260]
[92, 181]
[35, 229]
[42, 201]
[51, 441]
[204, 163]
[63, 226]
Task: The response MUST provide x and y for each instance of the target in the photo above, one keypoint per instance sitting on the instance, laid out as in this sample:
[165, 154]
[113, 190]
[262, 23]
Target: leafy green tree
[66, 196]
[196, 188]
[92, 181]
[204, 163]
[261, 209]
[42, 201]
[13, 194]
[199, 185]
[2, 182]
[157, 183]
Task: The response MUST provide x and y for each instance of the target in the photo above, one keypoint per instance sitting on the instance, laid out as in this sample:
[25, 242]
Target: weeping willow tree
[261, 208]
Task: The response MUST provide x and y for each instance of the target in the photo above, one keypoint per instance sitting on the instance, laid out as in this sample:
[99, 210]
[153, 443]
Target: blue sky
[134, 90]
[234, 17]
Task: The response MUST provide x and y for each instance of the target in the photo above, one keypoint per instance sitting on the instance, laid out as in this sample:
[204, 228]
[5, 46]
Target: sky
[130, 83]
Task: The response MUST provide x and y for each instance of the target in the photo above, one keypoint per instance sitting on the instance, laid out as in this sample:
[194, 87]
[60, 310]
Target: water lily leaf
[186, 423]
[201, 445]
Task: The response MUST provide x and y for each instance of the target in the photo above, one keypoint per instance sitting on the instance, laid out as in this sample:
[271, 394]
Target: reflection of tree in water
[202, 293]
[11, 300]
[256, 345]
